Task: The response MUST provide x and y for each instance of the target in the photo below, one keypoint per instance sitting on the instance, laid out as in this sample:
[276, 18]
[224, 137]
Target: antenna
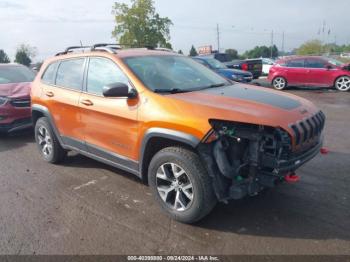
[81, 44]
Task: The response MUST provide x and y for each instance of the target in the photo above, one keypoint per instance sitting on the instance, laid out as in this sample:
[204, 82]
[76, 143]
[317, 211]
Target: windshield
[335, 62]
[215, 63]
[173, 73]
[15, 74]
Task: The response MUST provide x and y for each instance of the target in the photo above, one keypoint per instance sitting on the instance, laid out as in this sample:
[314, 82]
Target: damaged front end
[243, 159]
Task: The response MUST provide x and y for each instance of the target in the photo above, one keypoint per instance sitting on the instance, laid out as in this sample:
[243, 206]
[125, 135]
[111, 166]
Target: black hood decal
[256, 95]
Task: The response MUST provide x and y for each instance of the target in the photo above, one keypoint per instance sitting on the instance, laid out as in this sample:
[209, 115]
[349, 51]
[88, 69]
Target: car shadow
[316, 208]
[264, 83]
[16, 139]
[306, 210]
[77, 160]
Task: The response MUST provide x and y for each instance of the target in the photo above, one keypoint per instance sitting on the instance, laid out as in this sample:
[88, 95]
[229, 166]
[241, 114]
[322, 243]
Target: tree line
[24, 55]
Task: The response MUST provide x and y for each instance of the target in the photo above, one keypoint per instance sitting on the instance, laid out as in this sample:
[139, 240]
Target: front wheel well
[336, 79]
[153, 146]
[36, 115]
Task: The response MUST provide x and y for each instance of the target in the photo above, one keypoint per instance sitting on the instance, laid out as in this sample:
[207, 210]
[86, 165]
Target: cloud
[11, 5]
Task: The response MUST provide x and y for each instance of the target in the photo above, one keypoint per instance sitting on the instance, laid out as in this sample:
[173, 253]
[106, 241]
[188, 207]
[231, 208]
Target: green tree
[312, 47]
[140, 25]
[261, 51]
[25, 54]
[3, 57]
[193, 51]
[232, 53]
[180, 52]
[22, 58]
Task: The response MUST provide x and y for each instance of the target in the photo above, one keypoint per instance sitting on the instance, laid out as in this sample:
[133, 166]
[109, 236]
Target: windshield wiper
[213, 86]
[171, 90]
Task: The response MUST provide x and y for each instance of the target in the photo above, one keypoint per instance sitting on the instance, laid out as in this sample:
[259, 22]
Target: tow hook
[324, 150]
[292, 178]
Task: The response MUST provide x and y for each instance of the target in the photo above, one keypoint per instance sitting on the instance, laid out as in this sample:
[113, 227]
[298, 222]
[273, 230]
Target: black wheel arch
[155, 139]
[39, 111]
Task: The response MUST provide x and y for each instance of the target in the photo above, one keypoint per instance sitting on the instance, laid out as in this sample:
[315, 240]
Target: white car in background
[267, 63]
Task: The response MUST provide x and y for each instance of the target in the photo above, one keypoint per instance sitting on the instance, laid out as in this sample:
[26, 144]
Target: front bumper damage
[244, 159]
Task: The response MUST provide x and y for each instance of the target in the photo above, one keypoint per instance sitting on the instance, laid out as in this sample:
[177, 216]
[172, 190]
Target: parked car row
[311, 71]
[222, 69]
[253, 66]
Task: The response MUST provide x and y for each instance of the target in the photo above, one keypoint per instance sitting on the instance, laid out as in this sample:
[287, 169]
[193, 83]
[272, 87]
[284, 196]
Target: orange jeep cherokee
[195, 137]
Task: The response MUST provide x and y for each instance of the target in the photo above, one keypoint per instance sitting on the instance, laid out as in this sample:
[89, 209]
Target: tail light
[245, 67]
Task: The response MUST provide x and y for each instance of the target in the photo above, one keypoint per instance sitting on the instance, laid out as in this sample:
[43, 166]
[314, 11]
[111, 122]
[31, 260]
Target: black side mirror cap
[118, 90]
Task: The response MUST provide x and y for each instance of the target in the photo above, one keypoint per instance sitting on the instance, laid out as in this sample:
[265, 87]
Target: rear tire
[342, 83]
[279, 83]
[47, 142]
[181, 184]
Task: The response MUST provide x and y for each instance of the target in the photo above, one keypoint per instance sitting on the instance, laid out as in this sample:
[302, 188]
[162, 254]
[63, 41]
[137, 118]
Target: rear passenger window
[50, 73]
[70, 73]
[103, 72]
[315, 63]
[296, 63]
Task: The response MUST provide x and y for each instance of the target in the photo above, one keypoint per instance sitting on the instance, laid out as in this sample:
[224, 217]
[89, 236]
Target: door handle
[49, 94]
[86, 102]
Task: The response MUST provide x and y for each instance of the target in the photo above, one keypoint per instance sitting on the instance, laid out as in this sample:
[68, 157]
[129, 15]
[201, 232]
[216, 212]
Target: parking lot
[84, 207]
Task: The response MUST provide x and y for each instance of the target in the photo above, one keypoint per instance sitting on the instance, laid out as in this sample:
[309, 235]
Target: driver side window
[102, 72]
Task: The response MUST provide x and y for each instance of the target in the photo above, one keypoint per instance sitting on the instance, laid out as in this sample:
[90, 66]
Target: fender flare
[45, 111]
[158, 132]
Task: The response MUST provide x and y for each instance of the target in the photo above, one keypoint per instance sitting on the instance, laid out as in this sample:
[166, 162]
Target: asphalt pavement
[84, 207]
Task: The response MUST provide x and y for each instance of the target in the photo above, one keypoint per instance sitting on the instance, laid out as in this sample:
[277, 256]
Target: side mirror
[118, 90]
[329, 67]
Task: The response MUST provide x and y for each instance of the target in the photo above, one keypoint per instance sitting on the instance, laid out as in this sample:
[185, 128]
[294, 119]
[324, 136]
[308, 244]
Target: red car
[15, 111]
[310, 71]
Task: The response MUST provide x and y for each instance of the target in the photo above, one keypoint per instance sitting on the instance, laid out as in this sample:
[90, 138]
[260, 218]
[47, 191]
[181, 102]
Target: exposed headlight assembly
[3, 100]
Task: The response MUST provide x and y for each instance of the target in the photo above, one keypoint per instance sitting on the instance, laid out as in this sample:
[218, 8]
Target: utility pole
[271, 51]
[323, 31]
[282, 43]
[218, 36]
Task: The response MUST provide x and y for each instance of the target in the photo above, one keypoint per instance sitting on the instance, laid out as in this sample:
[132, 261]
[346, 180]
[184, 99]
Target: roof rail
[71, 48]
[117, 46]
[164, 49]
[111, 48]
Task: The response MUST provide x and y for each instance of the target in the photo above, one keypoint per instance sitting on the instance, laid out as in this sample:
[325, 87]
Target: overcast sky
[52, 25]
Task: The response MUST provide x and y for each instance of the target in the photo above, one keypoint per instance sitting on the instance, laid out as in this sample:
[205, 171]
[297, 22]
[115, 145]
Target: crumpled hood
[15, 90]
[248, 104]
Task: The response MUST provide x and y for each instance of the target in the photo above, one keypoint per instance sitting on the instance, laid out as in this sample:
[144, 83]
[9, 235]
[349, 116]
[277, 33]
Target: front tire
[47, 142]
[279, 83]
[342, 83]
[181, 184]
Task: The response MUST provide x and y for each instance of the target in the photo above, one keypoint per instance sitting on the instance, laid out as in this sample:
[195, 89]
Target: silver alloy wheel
[174, 186]
[343, 83]
[279, 83]
[45, 141]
